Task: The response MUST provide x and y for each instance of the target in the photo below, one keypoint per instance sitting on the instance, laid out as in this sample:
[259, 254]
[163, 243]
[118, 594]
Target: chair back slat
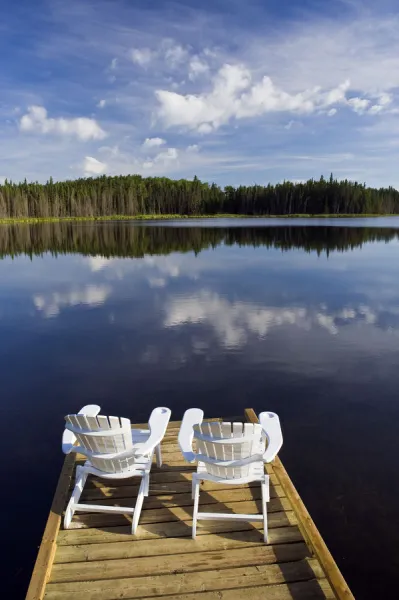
[87, 430]
[233, 441]
[227, 433]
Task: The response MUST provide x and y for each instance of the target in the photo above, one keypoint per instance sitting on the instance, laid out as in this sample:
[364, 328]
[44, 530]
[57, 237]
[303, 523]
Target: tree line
[120, 239]
[136, 195]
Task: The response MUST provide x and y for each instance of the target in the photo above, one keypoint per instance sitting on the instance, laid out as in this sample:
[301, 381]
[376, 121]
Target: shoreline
[166, 217]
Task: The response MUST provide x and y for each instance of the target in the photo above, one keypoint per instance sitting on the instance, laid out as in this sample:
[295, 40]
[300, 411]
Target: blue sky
[232, 91]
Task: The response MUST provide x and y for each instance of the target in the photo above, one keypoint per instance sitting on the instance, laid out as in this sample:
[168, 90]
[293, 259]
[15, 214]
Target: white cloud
[92, 166]
[375, 109]
[192, 148]
[153, 142]
[142, 56]
[101, 104]
[114, 63]
[385, 99]
[205, 128]
[197, 67]
[36, 120]
[359, 105]
[174, 54]
[383, 102]
[235, 96]
[332, 112]
[165, 157]
[50, 305]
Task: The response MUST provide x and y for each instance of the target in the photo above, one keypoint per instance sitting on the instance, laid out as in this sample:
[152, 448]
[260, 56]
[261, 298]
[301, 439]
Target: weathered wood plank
[308, 528]
[98, 488]
[162, 547]
[179, 583]
[160, 515]
[180, 474]
[178, 563]
[169, 530]
[307, 590]
[124, 497]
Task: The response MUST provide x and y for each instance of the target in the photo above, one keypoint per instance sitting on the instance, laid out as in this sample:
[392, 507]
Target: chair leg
[147, 484]
[158, 455]
[80, 481]
[265, 499]
[196, 486]
[139, 504]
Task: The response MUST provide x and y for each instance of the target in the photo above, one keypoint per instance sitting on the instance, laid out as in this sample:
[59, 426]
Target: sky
[233, 91]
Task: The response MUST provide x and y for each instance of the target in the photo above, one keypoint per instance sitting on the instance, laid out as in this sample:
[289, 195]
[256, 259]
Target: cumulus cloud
[92, 166]
[51, 305]
[359, 105]
[142, 56]
[197, 67]
[101, 103]
[379, 103]
[36, 120]
[174, 54]
[234, 96]
[385, 99]
[153, 142]
[332, 112]
[167, 156]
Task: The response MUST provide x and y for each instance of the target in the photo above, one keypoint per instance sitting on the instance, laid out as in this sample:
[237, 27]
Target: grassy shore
[33, 220]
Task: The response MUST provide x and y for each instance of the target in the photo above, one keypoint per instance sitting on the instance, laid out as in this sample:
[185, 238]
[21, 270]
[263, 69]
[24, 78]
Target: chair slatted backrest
[249, 441]
[117, 438]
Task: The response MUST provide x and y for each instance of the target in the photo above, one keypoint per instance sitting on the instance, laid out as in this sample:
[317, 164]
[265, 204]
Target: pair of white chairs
[228, 453]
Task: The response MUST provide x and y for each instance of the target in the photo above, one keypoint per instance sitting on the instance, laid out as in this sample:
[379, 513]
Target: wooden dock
[99, 559]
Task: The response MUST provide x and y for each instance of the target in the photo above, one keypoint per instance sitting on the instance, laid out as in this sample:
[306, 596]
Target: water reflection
[304, 319]
[102, 240]
[233, 322]
[51, 304]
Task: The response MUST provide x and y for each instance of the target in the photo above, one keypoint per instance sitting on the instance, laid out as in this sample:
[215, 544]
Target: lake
[300, 317]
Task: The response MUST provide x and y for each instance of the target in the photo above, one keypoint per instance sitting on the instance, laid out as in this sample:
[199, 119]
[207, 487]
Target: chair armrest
[157, 424]
[192, 417]
[68, 438]
[272, 429]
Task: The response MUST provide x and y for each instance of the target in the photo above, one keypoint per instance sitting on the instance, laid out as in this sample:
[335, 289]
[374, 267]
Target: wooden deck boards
[99, 559]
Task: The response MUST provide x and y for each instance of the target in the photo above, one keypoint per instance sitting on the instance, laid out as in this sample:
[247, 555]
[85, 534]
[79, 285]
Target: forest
[135, 195]
[119, 239]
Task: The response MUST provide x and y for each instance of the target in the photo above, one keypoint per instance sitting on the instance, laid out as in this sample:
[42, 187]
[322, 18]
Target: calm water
[297, 317]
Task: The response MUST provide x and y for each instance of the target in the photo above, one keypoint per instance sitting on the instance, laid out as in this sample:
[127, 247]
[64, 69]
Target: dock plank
[183, 583]
[178, 563]
[168, 530]
[99, 559]
[131, 549]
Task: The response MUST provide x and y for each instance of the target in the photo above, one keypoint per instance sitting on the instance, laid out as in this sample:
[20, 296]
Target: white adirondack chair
[230, 453]
[114, 451]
